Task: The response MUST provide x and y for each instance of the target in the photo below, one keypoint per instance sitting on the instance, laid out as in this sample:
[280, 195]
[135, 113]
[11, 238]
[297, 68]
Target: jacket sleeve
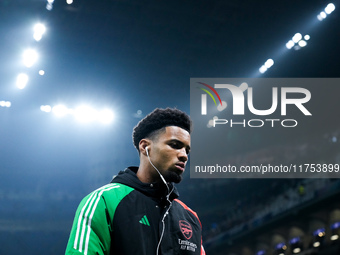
[90, 233]
[92, 226]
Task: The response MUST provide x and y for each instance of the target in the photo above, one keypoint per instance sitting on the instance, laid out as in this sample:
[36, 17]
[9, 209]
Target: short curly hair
[157, 120]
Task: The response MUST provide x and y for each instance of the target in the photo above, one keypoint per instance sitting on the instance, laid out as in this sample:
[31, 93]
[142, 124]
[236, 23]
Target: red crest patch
[185, 228]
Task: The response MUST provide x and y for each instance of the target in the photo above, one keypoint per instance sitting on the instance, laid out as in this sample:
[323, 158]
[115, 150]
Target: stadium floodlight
[269, 63]
[329, 8]
[306, 37]
[46, 108]
[85, 113]
[69, 1]
[263, 69]
[323, 15]
[22, 80]
[302, 43]
[49, 5]
[290, 44]
[297, 37]
[106, 116]
[39, 30]
[37, 37]
[30, 56]
[5, 104]
[60, 110]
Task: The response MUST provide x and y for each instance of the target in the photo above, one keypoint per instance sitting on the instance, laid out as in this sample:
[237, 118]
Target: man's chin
[173, 177]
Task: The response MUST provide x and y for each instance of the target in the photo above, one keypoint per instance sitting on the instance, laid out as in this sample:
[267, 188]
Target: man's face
[170, 151]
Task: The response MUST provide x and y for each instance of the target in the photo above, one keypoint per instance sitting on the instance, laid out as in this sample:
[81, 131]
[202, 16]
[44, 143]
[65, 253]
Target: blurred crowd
[279, 196]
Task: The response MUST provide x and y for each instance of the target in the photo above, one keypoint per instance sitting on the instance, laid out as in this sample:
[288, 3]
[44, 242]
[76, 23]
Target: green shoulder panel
[91, 228]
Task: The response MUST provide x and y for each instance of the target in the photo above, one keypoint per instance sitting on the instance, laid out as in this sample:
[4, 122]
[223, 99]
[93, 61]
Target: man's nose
[183, 155]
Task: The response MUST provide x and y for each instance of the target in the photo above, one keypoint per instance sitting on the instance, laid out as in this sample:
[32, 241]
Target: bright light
[316, 244]
[85, 113]
[323, 15]
[41, 72]
[37, 37]
[30, 56]
[39, 30]
[290, 44]
[69, 1]
[334, 237]
[330, 8]
[46, 108]
[296, 250]
[269, 63]
[106, 116]
[302, 43]
[22, 80]
[297, 37]
[321, 234]
[5, 104]
[49, 6]
[306, 37]
[263, 69]
[60, 110]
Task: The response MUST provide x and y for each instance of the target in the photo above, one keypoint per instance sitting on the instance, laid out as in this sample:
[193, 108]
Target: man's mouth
[180, 166]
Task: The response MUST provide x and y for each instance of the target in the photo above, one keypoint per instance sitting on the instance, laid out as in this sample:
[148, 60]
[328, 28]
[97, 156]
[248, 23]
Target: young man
[138, 212]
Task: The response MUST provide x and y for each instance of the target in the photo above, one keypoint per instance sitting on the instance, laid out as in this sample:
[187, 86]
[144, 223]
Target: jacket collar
[157, 190]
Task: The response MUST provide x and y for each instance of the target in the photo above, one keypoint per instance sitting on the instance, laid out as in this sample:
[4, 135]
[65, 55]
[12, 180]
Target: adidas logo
[144, 220]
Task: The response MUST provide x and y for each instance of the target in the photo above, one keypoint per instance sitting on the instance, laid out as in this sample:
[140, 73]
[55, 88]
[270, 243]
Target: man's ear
[143, 144]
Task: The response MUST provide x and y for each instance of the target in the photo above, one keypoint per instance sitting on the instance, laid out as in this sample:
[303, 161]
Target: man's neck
[145, 176]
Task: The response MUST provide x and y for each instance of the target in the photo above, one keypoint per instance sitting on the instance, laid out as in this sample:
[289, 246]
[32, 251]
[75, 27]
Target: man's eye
[174, 145]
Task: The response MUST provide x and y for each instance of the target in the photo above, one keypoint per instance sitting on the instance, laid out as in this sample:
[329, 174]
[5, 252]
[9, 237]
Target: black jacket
[134, 218]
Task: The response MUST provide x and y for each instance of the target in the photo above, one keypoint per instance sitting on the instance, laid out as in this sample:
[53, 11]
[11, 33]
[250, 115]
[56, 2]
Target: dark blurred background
[130, 57]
